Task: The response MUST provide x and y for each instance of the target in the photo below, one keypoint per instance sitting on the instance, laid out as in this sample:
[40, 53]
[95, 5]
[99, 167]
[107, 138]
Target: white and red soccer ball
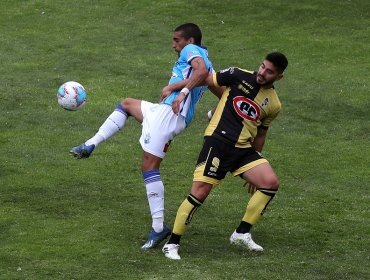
[71, 96]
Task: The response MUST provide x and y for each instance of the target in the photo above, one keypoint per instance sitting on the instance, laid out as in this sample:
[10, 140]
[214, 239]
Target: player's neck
[267, 86]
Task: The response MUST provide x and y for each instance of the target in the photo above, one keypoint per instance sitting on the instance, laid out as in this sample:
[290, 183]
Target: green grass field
[66, 219]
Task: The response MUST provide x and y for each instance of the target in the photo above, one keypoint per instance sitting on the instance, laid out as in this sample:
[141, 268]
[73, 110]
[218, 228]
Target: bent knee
[271, 182]
[266, 181]
[133, 108]
[127, 102]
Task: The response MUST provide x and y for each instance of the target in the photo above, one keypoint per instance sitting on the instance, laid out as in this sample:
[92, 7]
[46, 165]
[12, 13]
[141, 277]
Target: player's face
[179, 42]
[267, 74]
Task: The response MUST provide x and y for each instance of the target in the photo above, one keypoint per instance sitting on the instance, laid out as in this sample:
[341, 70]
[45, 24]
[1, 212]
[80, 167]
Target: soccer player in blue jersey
[159, 123]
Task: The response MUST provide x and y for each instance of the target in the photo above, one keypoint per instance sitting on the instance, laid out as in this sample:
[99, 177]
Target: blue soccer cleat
[82, 151]
[155, 238]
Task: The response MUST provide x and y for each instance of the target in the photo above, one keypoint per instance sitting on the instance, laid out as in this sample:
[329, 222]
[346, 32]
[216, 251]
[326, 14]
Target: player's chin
[261, 82]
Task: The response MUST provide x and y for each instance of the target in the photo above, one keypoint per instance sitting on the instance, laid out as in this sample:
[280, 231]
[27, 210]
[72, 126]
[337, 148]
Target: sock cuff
[194, 201]
[268, 192]
[151, 176]
[121, 109]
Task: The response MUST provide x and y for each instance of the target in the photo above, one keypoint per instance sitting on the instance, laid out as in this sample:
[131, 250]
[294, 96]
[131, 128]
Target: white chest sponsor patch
[246, 108]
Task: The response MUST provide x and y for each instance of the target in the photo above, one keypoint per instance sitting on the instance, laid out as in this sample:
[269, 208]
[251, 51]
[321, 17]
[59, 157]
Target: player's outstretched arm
[167, 90]
[208, 81]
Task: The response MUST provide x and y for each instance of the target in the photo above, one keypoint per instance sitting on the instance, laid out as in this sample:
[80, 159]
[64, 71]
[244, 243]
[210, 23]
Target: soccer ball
[71, 96]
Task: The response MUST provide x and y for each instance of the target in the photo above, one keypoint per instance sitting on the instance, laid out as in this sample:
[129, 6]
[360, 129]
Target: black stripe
[268, 192]
[193, 200]
[263, 127]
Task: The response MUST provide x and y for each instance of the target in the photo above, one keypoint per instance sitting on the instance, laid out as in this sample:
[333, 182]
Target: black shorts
[217, 158]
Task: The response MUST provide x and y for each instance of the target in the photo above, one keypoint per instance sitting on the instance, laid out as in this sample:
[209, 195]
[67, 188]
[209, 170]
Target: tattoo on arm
[193, 82]
[195, 79]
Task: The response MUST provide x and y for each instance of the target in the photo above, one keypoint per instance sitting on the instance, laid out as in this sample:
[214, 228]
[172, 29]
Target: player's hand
[166, 91]
[251, 188]
[176, 103]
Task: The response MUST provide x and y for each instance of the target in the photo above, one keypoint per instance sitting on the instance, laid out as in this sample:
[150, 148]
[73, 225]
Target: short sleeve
[227, 76]
[272, 115]
[189, 52]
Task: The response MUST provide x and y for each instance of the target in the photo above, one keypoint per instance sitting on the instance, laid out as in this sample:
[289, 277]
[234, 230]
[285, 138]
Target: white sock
[155, 195]
[111, 126]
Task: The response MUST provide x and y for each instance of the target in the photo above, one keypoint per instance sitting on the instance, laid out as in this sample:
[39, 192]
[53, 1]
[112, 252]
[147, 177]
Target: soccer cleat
[245, 239]
[155, 238]
[82, 151]
[171, 251]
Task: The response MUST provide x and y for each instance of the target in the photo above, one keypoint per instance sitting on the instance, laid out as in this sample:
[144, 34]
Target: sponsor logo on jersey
[246, 108]
[231, 70]
[243, 89]
[247, 84]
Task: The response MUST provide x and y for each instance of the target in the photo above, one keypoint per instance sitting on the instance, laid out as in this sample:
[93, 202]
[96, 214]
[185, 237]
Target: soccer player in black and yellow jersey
[233, 143]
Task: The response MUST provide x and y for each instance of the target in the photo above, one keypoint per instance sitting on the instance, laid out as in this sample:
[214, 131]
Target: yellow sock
[185, 214]
[257, 205]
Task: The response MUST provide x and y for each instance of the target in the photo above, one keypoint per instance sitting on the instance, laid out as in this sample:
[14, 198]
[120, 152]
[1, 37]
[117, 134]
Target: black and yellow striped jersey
[243, 107]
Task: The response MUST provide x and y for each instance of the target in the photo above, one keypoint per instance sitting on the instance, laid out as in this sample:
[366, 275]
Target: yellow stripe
[214, 77]
[248, 166]
[217, 115]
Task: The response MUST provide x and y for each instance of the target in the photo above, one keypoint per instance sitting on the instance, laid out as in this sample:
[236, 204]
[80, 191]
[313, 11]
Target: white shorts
[160, 125]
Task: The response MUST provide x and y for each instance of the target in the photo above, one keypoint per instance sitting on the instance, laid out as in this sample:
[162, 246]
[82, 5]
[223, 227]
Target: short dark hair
[191, 30]
[279, 60]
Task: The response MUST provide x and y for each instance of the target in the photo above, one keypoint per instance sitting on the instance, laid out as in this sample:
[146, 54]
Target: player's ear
[279, 77]
[191, 40]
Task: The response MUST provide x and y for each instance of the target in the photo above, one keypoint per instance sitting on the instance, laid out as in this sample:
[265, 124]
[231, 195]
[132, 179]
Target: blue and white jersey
[182, 70]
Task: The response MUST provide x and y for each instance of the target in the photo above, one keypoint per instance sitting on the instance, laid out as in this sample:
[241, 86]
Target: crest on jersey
[246, 108]
[147, 138]
[265, 102]
[190, 53]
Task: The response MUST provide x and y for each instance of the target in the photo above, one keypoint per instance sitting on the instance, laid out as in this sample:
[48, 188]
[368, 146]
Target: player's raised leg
[115, 122]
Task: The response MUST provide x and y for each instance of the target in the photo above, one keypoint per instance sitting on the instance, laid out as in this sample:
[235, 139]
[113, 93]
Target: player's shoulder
[244, 70]
[270, 92]
[191, 51]
[190, 47]
[236, 71]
